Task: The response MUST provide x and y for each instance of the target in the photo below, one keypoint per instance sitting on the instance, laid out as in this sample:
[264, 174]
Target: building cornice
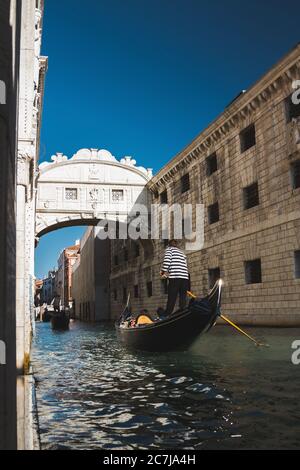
[232, 117]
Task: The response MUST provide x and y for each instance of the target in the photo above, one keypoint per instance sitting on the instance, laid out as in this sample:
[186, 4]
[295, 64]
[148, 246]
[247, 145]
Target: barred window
[253, 271]
[251, 196]
[213, 276]
[211, 164]
[136, 291]
[185, 183]
[164, 197]
[117, 195]
[213, 213]
[292, 109]
[136, 250]
[247, 138]
[71, 194]
[149, 289]
[295, 174]
[297, 264]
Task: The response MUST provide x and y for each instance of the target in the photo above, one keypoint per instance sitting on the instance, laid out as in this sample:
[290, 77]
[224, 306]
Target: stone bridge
[89, 186]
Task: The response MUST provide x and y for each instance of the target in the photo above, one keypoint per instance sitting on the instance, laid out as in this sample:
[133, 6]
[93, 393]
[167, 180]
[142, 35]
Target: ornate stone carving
[25, 155]
[59, 157]
[94, 172]
[128, 161]
[93, 193]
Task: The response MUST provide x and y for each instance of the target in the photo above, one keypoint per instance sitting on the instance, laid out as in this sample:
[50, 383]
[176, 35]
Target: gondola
[177, 331]
[60, 321]
[46, 317]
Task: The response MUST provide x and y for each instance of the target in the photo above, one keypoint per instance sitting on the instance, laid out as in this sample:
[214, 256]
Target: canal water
[224, 393]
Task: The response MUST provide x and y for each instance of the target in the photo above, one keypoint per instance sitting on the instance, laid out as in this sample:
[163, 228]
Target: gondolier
[175, 268]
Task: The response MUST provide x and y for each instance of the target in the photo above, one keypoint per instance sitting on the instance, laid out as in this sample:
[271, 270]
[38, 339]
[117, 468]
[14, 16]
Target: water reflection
[223, 393]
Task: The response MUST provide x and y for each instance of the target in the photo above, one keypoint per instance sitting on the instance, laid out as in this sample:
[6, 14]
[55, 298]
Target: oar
[233, 324]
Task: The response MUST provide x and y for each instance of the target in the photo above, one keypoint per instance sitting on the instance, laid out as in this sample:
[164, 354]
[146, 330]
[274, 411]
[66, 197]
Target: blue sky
[143, 78]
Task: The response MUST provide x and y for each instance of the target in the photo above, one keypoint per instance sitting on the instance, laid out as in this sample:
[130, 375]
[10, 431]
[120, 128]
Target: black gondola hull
[179, 330]
[60, 322]
[176, 333]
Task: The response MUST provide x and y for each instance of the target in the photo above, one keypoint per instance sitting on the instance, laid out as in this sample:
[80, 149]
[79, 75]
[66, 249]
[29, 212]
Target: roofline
[272, 73]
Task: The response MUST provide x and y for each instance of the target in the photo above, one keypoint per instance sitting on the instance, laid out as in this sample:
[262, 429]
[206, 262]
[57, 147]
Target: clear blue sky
[144, 77]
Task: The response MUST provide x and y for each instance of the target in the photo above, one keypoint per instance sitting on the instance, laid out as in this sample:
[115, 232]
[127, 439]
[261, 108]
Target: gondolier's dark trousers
[177, 287]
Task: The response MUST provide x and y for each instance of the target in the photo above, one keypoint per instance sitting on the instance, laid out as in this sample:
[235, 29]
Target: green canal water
[224, 393]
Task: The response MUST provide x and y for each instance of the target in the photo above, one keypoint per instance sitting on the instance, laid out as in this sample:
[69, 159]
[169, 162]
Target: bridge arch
[90, 186]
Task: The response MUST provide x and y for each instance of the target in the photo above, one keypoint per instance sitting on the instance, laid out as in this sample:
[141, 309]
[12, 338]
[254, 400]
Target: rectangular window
[124, 295]
[136, 250]
[117, 195]
[213, 213]
[125, 254]
[71, 194]
[116, 260]
[115, 294]
[253, 271]
[292, 109]
[136, 291]
[211, 164]
[185, 183]
[297, 264]
[247, 138]
[213, 276]
[164, 197]
[295, 174]
[149, 289]
[251, 196]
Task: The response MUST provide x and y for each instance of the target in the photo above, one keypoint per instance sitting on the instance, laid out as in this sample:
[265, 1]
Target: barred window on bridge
[71, 194]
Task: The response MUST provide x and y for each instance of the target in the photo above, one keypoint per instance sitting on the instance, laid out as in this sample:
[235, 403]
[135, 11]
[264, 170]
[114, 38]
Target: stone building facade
[22, 72]
[90, 278]
[10, 25]
[245, 169]
[66, 261]
[48, 287]
[31, 92]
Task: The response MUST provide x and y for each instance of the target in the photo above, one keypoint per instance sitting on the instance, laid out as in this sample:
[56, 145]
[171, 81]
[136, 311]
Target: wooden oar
[233, 324]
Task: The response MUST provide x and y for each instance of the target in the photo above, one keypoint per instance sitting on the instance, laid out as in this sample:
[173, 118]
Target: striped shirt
[175, 263]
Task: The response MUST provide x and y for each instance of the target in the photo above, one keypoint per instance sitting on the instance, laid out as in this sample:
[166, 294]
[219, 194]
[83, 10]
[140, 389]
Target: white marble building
[90, 186]
[31, 88]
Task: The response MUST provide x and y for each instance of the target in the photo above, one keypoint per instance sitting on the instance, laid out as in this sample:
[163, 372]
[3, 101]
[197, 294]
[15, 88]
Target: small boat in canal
[46, 317]
[60, 320]
[175, 331]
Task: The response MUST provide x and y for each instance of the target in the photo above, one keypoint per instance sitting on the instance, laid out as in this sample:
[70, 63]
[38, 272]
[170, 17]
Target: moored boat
[178, 330]
[46, 317]
[60, 321]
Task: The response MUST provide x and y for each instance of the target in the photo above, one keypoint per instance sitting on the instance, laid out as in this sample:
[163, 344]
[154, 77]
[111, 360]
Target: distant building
[48, 288]
[66, 261]
[90, 278]
[38, 291]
